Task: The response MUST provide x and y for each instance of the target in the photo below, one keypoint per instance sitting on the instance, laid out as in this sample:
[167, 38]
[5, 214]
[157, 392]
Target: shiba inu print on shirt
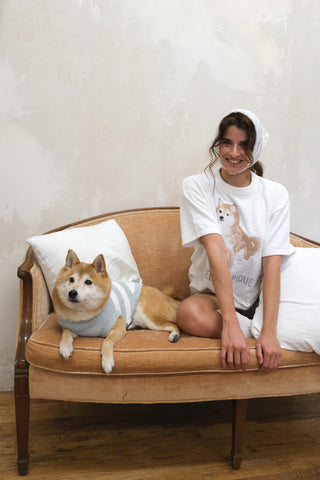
[236, 239]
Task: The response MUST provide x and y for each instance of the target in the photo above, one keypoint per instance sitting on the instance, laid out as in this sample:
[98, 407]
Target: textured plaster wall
[109, 104]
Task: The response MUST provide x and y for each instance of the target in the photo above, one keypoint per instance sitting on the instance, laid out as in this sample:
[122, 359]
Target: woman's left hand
[268, 352]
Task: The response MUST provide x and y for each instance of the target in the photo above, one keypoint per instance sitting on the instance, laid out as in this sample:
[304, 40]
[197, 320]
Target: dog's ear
[99, 265]
[71, 259]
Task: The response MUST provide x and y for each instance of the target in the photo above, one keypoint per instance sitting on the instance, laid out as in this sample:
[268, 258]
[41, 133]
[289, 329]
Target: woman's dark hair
[239, 120]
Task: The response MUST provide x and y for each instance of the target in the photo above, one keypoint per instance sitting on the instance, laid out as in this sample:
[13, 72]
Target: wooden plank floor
[164, 442]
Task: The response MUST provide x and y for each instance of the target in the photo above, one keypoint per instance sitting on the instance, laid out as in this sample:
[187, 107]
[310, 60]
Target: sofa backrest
[154, 236]
[155, 239]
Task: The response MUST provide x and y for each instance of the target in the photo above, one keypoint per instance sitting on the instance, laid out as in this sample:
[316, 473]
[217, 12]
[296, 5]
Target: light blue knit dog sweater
[122, 301]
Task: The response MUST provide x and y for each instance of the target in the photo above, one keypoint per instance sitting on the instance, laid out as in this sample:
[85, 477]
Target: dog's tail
[172, 293]
[254, 242]
[252, 247]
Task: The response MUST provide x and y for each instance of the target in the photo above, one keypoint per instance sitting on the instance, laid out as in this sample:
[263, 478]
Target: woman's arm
[268, 346]
[234, 347]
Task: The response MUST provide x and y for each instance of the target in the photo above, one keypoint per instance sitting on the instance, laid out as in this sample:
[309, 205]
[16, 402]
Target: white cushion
[299, 309]
[87, 242]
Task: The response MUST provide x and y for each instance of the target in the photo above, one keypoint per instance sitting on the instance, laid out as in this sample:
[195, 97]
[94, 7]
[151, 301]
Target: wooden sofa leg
[239, 412]
[22, 406]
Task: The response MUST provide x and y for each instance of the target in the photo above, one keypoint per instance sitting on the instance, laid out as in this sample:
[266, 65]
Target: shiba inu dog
[236, 239]
[88, 303]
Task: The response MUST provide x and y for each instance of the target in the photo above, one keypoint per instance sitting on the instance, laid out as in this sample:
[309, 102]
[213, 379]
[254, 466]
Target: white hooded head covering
[261, 134]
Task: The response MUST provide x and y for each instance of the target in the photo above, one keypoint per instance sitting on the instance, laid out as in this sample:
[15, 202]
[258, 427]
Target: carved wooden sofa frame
[148, 369]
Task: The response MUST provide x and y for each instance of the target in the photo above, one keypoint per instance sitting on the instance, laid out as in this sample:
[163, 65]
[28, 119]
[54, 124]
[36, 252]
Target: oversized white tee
[254, 222]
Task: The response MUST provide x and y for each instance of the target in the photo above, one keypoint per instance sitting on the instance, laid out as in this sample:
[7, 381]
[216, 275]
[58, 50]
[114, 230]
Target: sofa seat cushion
[141, 352]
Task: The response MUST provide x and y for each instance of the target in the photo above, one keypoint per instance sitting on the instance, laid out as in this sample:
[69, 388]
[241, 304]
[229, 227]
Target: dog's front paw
[174, 337]
[66, 350]
[107, 363]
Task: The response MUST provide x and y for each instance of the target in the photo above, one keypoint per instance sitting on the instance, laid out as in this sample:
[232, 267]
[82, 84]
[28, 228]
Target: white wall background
[109, 104]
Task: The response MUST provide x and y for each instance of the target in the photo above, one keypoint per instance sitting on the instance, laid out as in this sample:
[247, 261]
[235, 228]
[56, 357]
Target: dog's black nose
[73, 294]
[221, 218]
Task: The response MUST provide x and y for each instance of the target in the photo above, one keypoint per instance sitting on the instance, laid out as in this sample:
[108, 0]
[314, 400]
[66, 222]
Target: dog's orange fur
[159, 312]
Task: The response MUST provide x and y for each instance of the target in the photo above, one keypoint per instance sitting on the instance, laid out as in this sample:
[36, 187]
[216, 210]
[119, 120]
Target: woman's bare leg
[198, 316]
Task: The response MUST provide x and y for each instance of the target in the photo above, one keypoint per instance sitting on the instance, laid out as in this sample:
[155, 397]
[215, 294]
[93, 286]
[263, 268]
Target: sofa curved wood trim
[148, 368]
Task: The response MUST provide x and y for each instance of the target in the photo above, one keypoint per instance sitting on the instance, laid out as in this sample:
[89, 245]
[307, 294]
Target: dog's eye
[88, 282]
[71, 279]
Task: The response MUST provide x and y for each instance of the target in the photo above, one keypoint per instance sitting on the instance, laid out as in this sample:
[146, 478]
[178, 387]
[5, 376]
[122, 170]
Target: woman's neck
[241, 180]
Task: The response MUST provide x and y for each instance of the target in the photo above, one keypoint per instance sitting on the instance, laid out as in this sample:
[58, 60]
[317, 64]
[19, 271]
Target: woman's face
[232, 150]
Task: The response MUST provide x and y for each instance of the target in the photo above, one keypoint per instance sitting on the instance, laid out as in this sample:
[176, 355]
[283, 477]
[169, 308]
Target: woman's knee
[199, 318]
[187, 313]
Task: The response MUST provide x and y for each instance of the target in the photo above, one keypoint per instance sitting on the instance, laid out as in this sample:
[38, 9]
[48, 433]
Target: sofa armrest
[34, 302]
[298, 241]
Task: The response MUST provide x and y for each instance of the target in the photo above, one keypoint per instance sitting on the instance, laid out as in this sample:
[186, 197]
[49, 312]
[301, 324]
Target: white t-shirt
[254, 222]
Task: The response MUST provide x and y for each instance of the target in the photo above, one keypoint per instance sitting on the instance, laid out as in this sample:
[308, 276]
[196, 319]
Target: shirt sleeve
[277, 239]
[197, 211]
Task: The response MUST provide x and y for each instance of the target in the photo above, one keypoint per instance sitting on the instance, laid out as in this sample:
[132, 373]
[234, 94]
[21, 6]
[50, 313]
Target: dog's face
[81, 289]
[226, 214]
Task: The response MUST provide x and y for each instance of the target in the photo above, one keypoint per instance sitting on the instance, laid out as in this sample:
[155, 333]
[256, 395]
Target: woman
[238, 223]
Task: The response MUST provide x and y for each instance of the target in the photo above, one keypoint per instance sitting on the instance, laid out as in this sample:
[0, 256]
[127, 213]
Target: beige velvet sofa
[148, 369]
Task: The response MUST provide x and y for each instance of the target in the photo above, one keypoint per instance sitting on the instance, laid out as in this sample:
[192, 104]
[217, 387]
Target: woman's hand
[268, 352]
[234, 347]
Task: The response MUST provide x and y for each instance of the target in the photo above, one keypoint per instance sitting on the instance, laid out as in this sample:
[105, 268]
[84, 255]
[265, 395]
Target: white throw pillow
[299, 309]
[87, 242]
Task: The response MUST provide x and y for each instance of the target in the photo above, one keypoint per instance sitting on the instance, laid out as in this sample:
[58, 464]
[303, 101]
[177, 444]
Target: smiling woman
[238, 223]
